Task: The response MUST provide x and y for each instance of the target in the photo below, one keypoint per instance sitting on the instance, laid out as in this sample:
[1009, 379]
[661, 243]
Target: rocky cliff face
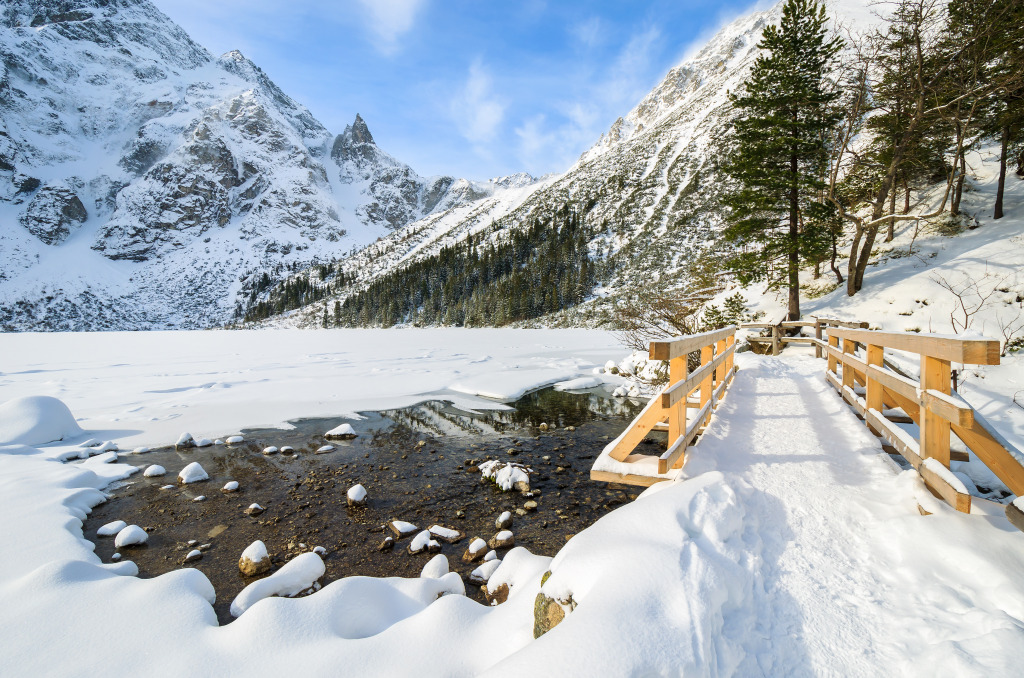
[146, 183]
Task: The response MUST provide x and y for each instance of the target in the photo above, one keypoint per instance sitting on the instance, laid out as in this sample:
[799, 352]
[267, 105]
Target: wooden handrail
[683, 346]
[943, 347]
[928, 402]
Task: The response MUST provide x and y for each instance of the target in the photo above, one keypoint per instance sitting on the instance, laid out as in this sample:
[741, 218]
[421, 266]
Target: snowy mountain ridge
[145, 183]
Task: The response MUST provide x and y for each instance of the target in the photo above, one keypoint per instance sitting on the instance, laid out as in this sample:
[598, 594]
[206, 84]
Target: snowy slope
[145, 182]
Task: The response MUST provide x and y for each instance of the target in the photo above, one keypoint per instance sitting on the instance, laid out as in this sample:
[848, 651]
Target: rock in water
[193, 473]
[502, 540]
[504, 521]
[357, 496]
[255, 560]
[475, 551]
[185, 441]
[402, 528]
[387, 544]
[234, 440]
[446, 534]
[154, 471]
[133, 535]
[254, 510]
[194, 555]
[110, 529]
[231, 486]
[343, 432]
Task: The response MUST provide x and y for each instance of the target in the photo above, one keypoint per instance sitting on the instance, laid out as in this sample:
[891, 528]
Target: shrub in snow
[193, 473]
[36, 420]
[436, 567]
[343, 432]
[357, 495]
[298, 575]
[506, 475]
[254, 560]
[154, 471]
[133, 535]
[110, 529]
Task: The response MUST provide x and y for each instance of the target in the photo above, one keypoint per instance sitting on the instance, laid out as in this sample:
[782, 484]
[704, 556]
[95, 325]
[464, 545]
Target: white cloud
[590, 33]
[390, 19]
[477, 111]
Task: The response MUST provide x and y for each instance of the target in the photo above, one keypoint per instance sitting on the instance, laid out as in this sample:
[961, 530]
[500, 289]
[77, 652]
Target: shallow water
[304, 493]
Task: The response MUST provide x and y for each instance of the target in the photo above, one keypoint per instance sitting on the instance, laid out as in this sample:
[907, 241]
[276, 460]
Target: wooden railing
[778, 339]
[856, 358]
[670, 410]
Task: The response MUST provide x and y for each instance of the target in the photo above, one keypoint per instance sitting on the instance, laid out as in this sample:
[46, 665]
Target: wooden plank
[674, 456]
[757, 326]
[797, 323]
[720, 370]
[1015, 516]
[625, 478]
[677, 370]
[934, 429]
[797, 340]
[954, 455]
[680, 390]
[706, 358]
[874, 397]
[856, 364]
[910, 451]
[948, 408]
[993, 453]
[683, 346]
[638, 429]
[833, 322]
[833, 343]
[817, 338]
[846, 358]
[730, 351]
[776, 346]
[944, 347]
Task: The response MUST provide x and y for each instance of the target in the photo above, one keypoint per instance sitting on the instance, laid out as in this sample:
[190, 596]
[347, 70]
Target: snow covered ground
[789, 545]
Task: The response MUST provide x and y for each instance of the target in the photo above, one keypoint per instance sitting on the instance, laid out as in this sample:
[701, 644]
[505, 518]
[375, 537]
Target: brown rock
[499, 596]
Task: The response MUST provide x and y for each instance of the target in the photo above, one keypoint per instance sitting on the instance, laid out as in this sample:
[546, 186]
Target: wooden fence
[682, 409]
[883, 397]
[779, 339]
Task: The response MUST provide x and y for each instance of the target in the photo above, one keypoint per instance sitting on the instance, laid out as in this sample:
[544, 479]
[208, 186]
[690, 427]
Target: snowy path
[855, 581]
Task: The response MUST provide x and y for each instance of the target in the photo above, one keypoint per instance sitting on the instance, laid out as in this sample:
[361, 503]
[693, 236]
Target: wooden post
[720, 370]
[729, 341]
[706, 355]
[832, 362]
[676, 414]
[817, 335]
[934, 429]
[875, 401]
[848, 376]
[776, 344]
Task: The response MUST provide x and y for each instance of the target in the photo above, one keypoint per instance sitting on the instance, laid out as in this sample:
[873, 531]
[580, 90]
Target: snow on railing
[928, 402]
[700, 390]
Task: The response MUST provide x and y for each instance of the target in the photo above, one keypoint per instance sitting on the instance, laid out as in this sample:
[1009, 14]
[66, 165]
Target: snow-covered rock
[402, 528]
[254, 560]
[270, 450]
[296, 576]
[342, 432]
[504, 521]
[325, 448]
[356, 495]
[132, 535]
[475, 551]
[193, 473]
[154, 471]
[193, 555]
[36, 420]
[234, 440]
[436, 567]
[111, 529]
[481, 574]
[446, 534]
[185, 440]
[204, 442]
[423, 542]
[506, 475]
[230, 486]
[254, 510]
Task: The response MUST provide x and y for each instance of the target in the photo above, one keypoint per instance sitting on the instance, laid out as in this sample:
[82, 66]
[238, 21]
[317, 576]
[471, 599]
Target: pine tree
[778, 153]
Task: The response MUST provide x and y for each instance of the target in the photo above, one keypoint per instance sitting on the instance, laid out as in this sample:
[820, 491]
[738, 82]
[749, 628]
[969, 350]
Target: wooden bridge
[915, 418]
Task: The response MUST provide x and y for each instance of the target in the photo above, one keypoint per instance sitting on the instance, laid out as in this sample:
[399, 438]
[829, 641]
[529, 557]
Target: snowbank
[35, 420]
[296, 576]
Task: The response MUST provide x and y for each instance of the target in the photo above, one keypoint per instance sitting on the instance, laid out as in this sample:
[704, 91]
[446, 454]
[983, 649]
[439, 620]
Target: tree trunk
[1004, 146]
[891, 233]
[906, 195]
[794, 242]
[954, 208]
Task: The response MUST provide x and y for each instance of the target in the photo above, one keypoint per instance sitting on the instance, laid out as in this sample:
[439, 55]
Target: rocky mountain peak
[355, 144]
[359, 131]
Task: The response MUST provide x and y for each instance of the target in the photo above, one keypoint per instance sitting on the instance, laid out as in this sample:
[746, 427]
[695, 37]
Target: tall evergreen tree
[778, 156]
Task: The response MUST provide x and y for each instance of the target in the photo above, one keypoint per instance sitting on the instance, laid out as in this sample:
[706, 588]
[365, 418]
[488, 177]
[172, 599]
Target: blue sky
[472, 89]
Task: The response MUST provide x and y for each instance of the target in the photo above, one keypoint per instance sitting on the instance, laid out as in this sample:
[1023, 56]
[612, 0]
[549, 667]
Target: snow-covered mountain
[145, 182]
[648, 185]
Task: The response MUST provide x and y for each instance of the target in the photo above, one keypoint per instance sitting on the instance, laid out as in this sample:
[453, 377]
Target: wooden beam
[934, 429]
[683, 346]
[874, 397]
[677, 370]
[638, 429]
[680, 390]
[625, 478]
[1015, 516]
[993, 452]
[706, 358]
[944, 347]
[909, 450]
[674, 456]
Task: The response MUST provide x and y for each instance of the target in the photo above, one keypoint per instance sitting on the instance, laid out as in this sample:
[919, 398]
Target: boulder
[255, 560]
[53, 213]
[502, 540]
